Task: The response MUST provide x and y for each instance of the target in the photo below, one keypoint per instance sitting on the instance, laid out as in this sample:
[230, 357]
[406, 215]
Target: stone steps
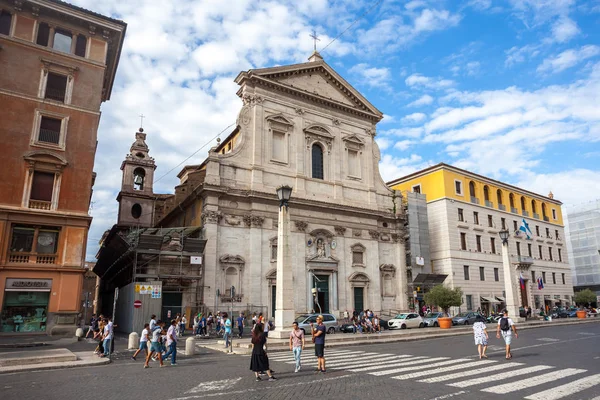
[17, 358]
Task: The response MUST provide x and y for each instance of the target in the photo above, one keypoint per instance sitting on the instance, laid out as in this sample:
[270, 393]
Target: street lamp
[510, 292]
[284, 285]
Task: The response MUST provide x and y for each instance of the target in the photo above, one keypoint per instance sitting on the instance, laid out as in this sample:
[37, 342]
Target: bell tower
[136, 198]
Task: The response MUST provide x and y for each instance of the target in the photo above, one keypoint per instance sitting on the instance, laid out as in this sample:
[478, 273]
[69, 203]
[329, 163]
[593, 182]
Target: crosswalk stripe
[341, 357]
[435, 370]
[409, 366]
[361, 363]
[385, 364]
[497, 377]
[374, 358]
[306, 353]
[533, 381]
[458, 375]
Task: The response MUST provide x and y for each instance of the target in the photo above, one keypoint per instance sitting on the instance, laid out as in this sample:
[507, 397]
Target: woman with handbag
[259, 360]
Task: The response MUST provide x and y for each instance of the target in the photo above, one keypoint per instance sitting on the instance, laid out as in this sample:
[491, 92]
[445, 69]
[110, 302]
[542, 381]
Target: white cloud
[419, 80]
[421, 101]
[372, 76]
[403, 144]
[404, 132]
[516, 54]
[564, 29]
[568, 58]
[562, 184]
[393, 167]
[383, 142]
[414, 118]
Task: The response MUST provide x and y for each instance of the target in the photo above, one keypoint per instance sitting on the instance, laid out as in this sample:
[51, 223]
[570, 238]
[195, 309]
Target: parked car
[349, 328]
[431, 319]
[572, 314]
[406, 320]
[560, 313]
[464, 318]
[305, 320]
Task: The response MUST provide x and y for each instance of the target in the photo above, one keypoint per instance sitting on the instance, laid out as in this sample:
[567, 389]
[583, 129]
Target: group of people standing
[102, 329]
[159, 343]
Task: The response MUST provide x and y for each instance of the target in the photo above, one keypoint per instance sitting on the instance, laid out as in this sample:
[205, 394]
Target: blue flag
[525, 228]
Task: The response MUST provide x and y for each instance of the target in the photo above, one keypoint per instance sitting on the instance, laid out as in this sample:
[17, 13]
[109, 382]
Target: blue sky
[505, 88]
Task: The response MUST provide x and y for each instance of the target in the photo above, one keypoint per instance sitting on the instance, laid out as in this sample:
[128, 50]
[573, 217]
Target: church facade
[304, 126]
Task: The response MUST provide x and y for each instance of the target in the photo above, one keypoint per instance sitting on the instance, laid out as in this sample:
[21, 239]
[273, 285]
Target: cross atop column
[141, 120]
[315, 38]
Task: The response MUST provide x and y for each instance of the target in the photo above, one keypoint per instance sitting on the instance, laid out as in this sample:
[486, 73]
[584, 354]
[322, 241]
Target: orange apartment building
[57, 66]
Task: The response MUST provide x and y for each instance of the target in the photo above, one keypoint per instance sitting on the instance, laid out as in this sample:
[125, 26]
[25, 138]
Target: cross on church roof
[315, 38]
[141, 120]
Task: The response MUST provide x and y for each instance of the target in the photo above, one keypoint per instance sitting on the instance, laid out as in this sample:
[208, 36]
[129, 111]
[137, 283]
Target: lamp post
[284, 299]
[511, 295]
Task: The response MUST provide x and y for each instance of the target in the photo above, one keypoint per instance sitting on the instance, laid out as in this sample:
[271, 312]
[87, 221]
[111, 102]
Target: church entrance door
[359, 299]
[273, 300]
[323, 296]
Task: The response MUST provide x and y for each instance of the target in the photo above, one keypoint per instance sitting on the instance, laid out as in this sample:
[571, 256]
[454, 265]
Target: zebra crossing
[488, 376]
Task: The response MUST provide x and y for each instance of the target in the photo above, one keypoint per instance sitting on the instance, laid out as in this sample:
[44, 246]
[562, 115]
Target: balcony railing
[49, 136]
[489, 204]
[546, 219]
[525, 260]
[514, 210]
[55, 94]
[40, 205]
[31, 258]
[474, 200]
[501, 207]
[525, 213]
[536, 216]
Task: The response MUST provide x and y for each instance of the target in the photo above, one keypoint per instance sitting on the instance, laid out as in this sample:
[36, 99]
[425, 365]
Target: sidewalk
[243, 346]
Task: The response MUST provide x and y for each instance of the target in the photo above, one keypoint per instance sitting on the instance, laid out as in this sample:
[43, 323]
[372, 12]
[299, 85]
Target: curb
[58, 365]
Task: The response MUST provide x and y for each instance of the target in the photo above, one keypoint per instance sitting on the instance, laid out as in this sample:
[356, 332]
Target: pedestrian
[506, 326]
[143, 342]
[240, 325]
[152, 322]
[155, 347]
[182, 324]
[481, 336]
[297, 344]
[376, 326]
[93, 326]
[259, 361]
[107, 337]
[318, 334]
[227, 325]
[346, 316]
[196, 324]
[178, 323]
[209, 323]
[172, 343]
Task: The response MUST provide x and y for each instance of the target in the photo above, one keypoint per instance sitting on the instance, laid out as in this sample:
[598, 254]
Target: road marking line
[410, 366]
[533, 381]
[214, 385]
[568, 389]
[547, 339]
[458, 375]
[336, 357]
[359, 363]
[289, 354]
[447, 396]
[435, 370]
[497, 377]
[513, 349]
[374, 358]
[385, 364]
[587, 333]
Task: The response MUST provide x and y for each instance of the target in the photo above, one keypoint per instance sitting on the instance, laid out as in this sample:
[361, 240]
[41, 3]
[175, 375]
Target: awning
[429, 279]
[501, 299]
[489, 300]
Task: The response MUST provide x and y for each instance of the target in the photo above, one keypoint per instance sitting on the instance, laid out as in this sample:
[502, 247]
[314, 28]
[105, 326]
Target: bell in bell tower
[136, 198]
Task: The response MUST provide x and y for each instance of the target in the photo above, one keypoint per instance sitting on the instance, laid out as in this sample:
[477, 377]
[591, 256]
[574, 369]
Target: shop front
[25, 305]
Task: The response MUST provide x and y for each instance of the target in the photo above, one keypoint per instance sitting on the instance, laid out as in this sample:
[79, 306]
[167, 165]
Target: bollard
[190, 346]
[79, 333]
[134, 341]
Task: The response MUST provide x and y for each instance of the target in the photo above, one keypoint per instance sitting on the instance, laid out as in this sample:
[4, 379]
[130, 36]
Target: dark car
[349, 328]
[560, 313]
[465, 318]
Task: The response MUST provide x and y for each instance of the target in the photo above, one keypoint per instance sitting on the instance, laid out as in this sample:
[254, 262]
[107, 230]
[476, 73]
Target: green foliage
[444, 297]
[585, 297]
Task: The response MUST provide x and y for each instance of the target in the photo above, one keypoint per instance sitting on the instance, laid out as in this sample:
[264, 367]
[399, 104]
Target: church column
[334, 284]
[255, 290]
[400, 261]
[210, 219]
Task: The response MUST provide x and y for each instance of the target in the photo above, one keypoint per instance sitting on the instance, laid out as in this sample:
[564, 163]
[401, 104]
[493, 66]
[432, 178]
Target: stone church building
[304, 126]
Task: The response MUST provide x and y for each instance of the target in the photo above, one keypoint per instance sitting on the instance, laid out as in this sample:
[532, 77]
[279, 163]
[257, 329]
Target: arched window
[533, 207]
[139, 175]
[231, 279]
[472, 189]
[388, 285]
[317, 161]
[511, 198]
[499, 196]
[523, 205]
[544, 211]
[486, 193]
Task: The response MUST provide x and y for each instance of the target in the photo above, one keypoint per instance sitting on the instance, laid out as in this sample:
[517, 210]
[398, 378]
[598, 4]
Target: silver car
[305, 320]
[431, 319]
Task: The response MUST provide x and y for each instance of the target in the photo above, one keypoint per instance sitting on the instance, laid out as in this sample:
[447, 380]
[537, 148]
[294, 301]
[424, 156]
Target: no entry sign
[137, 304]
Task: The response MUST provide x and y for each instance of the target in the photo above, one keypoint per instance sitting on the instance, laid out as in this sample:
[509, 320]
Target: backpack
[504, 325]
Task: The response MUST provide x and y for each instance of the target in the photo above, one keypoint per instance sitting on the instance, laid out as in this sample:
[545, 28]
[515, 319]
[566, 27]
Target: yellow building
[465, 213]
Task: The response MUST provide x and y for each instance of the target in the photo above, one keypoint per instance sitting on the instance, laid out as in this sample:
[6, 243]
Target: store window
[25, 305]
[33, 245]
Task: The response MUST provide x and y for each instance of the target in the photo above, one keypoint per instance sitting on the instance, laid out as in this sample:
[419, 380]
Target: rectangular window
[463, 241]
[49, 130]
[56, 87]
[515, 226]
[554, 214]
[548, 233]
[533, 276]
[518, 248]
[466, 271]
[62, 40]
[560, 255]
[461, 217]
[416, 189]
[478, 241]
[458, 187]
[357, 257]
[544, 277]
[80, 46]
[554, 278]
[475, 217]
[537, 230]
[469, 302]
[274, 252]
[481, 273]
[353, 169]
[29, 240]
[496, 275]
[490, 221]
[503, 221]
[550, 253]
[529, 249]
[42, 186]
[5, 22]
[278, 146]
[540, 252]
[43, 34]
[563, 279]
[493, 245]
[556, 235]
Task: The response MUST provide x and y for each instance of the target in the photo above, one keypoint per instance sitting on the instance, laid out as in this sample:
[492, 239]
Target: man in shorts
[318, 333]
[155, 346]
[143, 342]
[506, 326]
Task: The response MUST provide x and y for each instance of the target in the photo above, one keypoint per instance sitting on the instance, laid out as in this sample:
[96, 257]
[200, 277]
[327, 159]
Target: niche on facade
[387, 274]
[232, 271]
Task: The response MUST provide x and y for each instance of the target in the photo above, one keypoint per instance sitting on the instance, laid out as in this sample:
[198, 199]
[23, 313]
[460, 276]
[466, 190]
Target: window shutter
[42, 186]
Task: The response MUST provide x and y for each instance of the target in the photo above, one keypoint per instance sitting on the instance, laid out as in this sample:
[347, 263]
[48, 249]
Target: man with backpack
[506, 327]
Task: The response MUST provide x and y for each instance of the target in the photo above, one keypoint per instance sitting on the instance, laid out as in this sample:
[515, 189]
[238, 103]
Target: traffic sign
[137, 304]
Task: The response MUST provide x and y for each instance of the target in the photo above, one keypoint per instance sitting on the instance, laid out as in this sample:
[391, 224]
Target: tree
[585, 297]
[444, 297]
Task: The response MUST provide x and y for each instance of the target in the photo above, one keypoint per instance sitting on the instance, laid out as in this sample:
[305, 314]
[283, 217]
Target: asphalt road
[558, 362]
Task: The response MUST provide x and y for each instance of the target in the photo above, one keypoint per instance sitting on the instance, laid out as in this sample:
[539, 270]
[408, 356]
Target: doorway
[359, 299]
[171, 305]
[322, 283]
[524, 299]
[273, 300]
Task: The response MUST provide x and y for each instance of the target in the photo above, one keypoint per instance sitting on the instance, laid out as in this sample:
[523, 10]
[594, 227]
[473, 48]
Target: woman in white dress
[481, 336]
